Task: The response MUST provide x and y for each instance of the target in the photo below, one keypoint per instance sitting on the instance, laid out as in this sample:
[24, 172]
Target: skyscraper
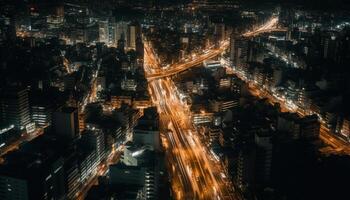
[121, 31]
[121, 43]
[103, 31]
[238, 50]
[220, 31]
[95, 139]
[14, 107]
[139, 47]
[134, 31]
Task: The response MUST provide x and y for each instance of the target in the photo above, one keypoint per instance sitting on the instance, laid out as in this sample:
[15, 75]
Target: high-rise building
[32, 176]
[219, 31]
[70, 82]
[238, 50]
[82, 121]
[263, 141]
[72, 176]
[139, 47]
[202, 118]
[121, 30]
[223, 104]
[276, 77]
[244, 167]
[96, 140]
[103, 31]
[112, 30]
[8, 27]
[41, 115]
[310, 127]
[147, 130]
[14, 107]
[345, 127]
[65, 122]
[134, 31]
[88, 162]
[214, 134]
[139, 172]
[121, 43]
[306, 127]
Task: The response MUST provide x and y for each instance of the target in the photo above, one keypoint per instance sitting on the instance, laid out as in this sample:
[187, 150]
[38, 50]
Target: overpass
[269, 26]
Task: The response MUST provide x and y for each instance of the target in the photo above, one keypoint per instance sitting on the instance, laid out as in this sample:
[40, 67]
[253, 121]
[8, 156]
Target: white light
[137, 153]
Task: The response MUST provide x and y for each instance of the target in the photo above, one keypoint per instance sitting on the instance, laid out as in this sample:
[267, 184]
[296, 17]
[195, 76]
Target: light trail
[270, 25]
[156, 73]
[196, 176]
[339, 146]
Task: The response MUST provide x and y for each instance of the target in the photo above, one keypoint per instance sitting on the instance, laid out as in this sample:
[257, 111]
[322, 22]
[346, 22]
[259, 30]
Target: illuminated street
[269, 26]
[191, 160]
[338, 145]
[210, 53]
[174, 100]
[188, 155]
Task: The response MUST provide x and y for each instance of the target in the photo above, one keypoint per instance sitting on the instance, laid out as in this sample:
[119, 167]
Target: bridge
[269, 26]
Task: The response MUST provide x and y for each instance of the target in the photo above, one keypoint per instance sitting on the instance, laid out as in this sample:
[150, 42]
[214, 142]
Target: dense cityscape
[174, 99]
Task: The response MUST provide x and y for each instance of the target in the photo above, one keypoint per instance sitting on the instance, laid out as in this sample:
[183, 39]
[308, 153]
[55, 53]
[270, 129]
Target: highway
[196, 175]
[209, 53]
[183, 66]
[269, 26]
[338, 145]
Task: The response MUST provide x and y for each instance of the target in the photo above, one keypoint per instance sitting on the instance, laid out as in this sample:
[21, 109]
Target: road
[183, 66]
[196, 175]
[23, 138]
[209, 53]
[338, 145]
[269, 26]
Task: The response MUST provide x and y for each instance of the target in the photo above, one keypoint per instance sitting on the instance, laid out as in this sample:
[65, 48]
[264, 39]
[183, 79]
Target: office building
[41, 114]
[121, 43]
[134, 32]
[72, 176]
[14, 108]
[121, 31]
[88, 162]
[31, 177]
[94, 138]
[306, 127]
[263, 141]
[103, 31]
[147, 130]
[238, 50]
[66, 123]
[345, 127]
[223, 104]
[219, 32]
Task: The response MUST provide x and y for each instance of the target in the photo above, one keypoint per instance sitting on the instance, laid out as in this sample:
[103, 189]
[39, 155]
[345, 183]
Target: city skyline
[192, 99]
